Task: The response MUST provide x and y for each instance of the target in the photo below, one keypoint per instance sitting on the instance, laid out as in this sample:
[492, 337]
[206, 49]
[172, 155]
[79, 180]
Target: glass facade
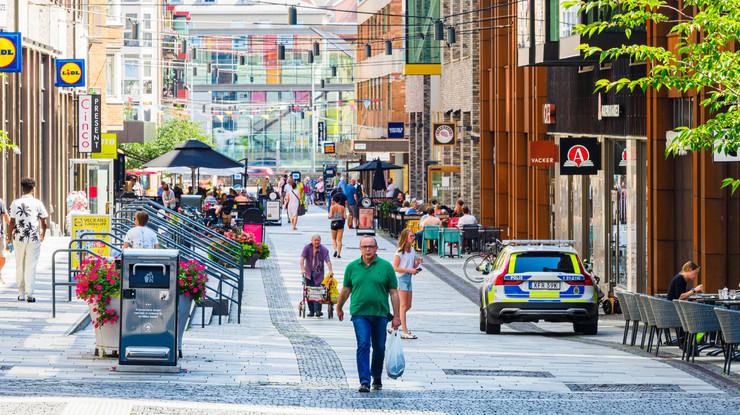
[421, 46]
[272, 115]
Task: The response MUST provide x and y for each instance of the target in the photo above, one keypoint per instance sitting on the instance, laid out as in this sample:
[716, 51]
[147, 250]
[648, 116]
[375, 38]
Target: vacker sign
[542, 153]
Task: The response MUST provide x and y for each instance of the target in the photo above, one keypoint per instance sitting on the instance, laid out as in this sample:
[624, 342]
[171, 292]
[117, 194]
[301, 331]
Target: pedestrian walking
[292, 201]
[313, 258]
[406, 264]
[26, 231]
[337, 216]
[4, 220]
[370, 280]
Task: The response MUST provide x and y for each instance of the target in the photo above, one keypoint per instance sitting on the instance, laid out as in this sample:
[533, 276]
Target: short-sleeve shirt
[141, 237]
[27, 211]
[350, 191]
[407, 260]
[315, 263]
[677, 287]
[370, 287]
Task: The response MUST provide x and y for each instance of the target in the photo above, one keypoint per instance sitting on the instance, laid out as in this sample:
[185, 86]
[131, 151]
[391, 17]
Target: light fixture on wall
[388, 47]
[292, 16]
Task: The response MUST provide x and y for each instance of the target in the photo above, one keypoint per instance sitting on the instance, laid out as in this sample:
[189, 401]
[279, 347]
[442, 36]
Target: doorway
[95, 178]
[444, 184]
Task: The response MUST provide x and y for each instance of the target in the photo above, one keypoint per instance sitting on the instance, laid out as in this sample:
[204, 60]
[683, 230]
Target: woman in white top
[406, 264]
[140, 236]
[292, 200]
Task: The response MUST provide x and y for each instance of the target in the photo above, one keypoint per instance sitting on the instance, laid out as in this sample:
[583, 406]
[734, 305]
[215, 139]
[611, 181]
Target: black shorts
[337, 225]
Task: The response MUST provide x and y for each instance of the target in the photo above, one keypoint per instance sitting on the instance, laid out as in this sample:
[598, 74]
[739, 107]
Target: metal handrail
[69, 282]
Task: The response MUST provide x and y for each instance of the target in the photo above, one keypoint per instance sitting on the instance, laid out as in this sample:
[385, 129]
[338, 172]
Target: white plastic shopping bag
[395, 363]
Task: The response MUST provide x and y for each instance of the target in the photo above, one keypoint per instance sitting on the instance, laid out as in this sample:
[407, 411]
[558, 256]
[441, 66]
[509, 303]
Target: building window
[421, 47]
[113, 12]
[522, 29]
[112, 77]
[568, 19]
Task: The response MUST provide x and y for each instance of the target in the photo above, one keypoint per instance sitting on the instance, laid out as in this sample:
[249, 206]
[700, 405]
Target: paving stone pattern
[318, 363]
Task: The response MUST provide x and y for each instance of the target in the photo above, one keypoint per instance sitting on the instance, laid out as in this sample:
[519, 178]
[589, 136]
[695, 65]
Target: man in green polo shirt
[370, 280]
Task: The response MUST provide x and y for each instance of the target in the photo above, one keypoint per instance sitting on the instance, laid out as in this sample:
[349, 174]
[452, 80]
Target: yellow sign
[82, 224]
[70, 73]
[7, 52]
[108, 147]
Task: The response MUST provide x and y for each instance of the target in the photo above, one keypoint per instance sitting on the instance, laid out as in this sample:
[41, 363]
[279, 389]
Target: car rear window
[543, 262]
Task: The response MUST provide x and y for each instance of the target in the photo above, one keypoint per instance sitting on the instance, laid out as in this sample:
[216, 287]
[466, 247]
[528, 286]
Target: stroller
[326, 293]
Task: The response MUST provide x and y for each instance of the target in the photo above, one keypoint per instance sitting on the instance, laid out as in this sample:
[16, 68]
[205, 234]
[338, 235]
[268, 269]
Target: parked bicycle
[478, 265]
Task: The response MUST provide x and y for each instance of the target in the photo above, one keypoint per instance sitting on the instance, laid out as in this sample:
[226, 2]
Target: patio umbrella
[194, 154]
[374, 165]
[379, 178]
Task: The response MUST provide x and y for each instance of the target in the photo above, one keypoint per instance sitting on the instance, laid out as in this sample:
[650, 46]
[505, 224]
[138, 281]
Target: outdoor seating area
[704, 325]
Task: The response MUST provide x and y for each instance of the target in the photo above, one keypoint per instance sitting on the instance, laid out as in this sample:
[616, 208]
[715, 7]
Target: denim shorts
[404, 282]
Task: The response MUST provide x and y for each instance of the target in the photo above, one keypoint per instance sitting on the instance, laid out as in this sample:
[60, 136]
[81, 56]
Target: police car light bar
[539, 242]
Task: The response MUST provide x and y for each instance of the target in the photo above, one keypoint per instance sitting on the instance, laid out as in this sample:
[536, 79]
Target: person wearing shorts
[4, 220]
[406, 264]
[337, 216]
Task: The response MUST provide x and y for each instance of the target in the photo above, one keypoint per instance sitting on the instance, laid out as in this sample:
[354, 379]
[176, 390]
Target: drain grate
[623, 387]
[484, 372]
[5, 367]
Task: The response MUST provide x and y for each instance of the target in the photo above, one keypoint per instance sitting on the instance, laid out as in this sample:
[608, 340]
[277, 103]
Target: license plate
[544, 285]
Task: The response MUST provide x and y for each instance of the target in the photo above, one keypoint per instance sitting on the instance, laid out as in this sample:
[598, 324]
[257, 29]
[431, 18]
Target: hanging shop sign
[330, 148]
[11, 58]
[444, 134]
[395, 130]
[70, 73]
[548, 114]
[580, 156]
[322, 131]
[620, 157]
[542, 153]
[610, 111]
[108, 145]
[97, 124]
[84, 123]
[296, 175]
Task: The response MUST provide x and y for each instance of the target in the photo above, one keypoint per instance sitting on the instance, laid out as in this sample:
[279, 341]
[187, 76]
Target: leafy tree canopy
[169, 135]
[706, 60]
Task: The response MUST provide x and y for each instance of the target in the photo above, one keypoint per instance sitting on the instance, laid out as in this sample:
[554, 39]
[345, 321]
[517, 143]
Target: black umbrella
[194, 154]
[379, 178]
[374, 165]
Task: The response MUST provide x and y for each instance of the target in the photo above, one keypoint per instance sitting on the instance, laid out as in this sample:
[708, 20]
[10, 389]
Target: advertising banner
[11, 58]
[82, 224]
[272, 210]
[108, 147]
[84, 123]
[330, 148]
[366, 225]
[579, 156]
[70, 73]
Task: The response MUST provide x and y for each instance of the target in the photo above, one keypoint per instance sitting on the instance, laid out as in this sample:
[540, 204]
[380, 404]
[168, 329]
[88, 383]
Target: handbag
[301, 208]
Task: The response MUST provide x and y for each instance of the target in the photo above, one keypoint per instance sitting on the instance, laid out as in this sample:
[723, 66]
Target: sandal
[408, 336]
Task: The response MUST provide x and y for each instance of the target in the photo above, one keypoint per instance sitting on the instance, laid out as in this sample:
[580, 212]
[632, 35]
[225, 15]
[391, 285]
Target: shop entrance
[95, 178]
[444, 184]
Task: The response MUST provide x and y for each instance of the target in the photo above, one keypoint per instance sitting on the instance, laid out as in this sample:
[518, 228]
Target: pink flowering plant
[98, 282]
[192, 279]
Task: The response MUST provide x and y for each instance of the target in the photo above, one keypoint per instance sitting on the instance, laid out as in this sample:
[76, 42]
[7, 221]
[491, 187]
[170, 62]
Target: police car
[535, 280]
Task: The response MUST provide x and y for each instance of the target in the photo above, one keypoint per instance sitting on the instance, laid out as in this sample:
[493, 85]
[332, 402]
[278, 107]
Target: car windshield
[543, 262]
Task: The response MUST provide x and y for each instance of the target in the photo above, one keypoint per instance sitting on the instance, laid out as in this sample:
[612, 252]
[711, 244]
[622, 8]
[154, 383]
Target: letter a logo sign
[579, 156]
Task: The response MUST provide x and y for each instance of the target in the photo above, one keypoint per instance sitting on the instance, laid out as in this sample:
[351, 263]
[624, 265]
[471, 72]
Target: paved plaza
[275, 362]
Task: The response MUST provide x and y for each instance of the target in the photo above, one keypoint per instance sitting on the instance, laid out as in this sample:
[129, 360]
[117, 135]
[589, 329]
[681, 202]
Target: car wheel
[589, 328]
[482, 319]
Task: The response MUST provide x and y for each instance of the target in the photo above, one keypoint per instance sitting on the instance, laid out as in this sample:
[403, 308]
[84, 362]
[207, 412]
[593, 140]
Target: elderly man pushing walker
[370, 280]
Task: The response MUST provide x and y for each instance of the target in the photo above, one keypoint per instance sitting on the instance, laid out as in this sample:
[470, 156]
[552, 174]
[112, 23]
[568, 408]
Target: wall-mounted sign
[360, 146]
[330, 148]
[620, 157]
[580, 156]
[542, 153]
[108, 147]
[548, 114]
[70, 73]
[296, 175]
[84, 123]
[11, 58]
[610, 111]
[97, 124]
[395, 130]
[322, 131]
[444, 133]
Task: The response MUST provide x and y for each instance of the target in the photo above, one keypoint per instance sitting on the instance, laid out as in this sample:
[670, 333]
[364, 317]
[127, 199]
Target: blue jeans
[370, 330]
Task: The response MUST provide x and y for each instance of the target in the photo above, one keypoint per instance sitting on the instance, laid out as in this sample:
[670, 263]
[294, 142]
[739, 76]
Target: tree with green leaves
[170, 134]
[706, 60]
[5, 142]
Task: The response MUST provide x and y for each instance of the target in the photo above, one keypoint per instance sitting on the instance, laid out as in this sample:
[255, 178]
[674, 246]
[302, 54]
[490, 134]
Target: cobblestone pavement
[276, 363]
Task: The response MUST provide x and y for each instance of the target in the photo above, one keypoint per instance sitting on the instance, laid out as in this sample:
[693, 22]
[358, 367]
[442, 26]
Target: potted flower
[191, 285]
[251, 250]
[99, 284]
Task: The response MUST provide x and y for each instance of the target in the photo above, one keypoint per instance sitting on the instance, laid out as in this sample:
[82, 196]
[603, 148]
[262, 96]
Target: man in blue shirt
[350, 190]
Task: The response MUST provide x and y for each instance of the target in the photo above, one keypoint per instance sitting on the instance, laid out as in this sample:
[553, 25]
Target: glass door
[444, 184]
[94, 178]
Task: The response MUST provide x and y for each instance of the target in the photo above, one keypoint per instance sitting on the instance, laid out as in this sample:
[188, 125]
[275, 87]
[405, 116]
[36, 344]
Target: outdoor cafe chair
[684, 327]
[666, 317]
[471, 237]
[625, 314]
[699, 318]
[635, 314]
[430, 234]
[449, 237]
[729, 322]
[649, 318]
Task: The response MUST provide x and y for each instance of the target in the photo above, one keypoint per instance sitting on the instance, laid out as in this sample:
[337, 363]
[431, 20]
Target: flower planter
[184, 303]
[251, 261]
[107, 336]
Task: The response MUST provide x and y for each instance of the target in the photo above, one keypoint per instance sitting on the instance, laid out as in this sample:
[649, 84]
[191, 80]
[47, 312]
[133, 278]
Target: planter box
[251, 261]
[107, 337]
[183, 312]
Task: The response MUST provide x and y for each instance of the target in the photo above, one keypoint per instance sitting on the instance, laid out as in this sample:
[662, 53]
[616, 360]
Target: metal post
[314, 118]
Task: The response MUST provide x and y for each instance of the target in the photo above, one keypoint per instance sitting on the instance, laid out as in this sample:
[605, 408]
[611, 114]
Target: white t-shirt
[141, 237]
[407, 260]
[467, 220]
[391, 190]
[27, 212]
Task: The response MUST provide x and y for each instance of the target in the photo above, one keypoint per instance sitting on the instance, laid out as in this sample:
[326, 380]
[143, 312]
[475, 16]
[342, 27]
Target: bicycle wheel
[474, 267]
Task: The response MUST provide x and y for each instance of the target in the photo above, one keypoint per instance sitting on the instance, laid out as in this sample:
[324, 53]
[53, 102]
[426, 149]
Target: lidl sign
[11, 56]
[70, 73]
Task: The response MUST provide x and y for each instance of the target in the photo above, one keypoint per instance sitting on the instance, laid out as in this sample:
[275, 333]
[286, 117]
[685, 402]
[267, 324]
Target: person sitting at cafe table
[678, 289]
[467, 218]
[415, 208]
[430, 219]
